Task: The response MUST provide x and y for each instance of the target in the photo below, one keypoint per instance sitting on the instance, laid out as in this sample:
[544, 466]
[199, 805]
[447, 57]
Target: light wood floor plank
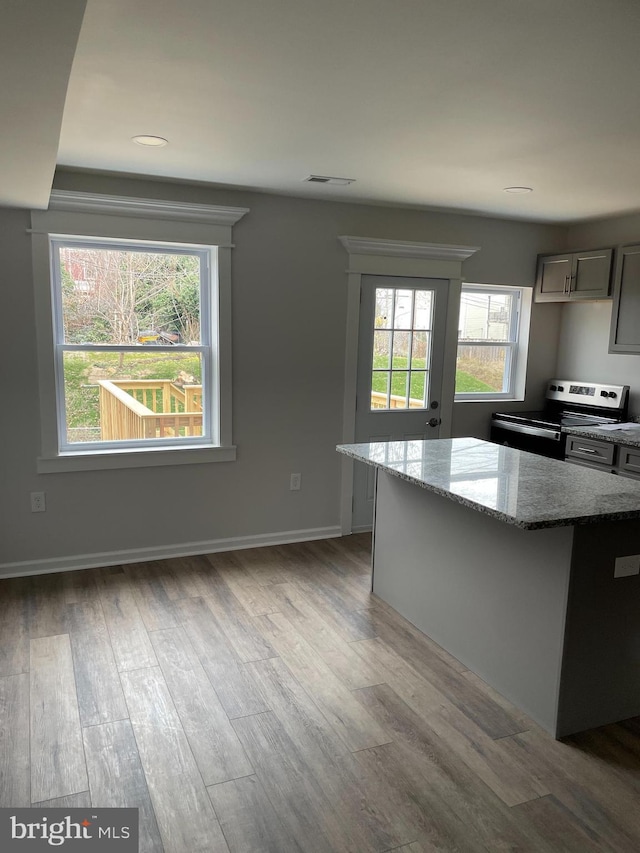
[236, 691]
[249, 821]
[506, 777]
[100, 698]
[14, 626]
[294, 794]
[183, 810]
[357, 729]
[248, 643]
[116, 778]
[214, 743]
[255, 597]
[155, 606]
[73, 801]
[15, 785]
[47, 606]
[57, 754]
[350, 667]
[130, 641]
[492, 717]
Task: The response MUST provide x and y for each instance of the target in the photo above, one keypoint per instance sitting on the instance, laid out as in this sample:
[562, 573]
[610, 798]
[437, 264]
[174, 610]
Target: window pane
[399, 384]
[423, 310]
[114, 296]
[418, 386]
[384, 308]
[119, 396]
[381, 349]
[379, 389]
[420, 350]
[481, 369]
[485, 316]
[403, 309]
[401, 342]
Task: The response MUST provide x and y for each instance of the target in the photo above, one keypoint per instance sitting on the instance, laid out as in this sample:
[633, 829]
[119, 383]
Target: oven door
[544, 442]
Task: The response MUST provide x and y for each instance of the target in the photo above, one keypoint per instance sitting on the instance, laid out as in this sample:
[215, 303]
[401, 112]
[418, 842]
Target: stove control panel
[588, 394]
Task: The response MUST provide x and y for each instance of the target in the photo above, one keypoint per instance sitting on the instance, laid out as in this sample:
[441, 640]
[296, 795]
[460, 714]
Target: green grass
[80, 370]
[465, 382]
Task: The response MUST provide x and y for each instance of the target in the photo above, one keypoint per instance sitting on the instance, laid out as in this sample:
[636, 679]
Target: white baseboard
[163, 552]
[362, 528]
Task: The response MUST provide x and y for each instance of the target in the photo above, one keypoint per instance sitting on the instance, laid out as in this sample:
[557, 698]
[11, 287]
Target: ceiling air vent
[325, 179]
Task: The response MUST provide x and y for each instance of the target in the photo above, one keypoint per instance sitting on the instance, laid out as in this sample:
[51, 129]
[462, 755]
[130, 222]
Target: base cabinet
[574, 276]
[605, 456]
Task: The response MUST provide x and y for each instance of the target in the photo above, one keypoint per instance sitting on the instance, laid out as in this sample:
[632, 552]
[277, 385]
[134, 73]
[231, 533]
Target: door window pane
[381, 350]
[418, 385]
[403, 309]
[384, 308]
[420, 350]
[380, 389]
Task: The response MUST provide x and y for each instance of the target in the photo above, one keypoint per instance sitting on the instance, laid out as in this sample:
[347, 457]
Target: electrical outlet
[626, 566]
[38, 503]
[295, 482]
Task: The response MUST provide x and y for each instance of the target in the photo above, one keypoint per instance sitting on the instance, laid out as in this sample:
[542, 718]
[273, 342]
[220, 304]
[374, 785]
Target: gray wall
[289, 314]
[584, 331]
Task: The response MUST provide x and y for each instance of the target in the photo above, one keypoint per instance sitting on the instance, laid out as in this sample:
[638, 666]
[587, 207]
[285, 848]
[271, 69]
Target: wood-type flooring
[264, 701]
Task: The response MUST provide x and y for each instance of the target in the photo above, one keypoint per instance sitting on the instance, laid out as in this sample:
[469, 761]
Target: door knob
[433, 422]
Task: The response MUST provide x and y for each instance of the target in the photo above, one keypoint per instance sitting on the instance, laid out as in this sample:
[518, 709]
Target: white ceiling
[436, 103]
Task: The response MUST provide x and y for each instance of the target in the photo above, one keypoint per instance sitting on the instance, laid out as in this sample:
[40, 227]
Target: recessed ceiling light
[516, 190]
[150, 141]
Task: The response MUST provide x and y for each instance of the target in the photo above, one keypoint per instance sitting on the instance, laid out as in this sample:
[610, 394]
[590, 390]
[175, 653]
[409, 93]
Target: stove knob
[604, 394]
[560, 387]
[553, 388]
[612, 394]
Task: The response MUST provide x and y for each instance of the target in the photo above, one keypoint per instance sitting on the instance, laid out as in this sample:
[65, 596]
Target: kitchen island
[509, 562]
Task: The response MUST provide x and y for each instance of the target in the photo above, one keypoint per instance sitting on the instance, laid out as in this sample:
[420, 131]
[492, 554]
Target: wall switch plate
[38, 503]
[626, 566]
[295, 482]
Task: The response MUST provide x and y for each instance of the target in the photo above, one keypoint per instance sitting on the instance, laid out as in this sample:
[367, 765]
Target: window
[132, 343]
[492, 340]
[134, 332]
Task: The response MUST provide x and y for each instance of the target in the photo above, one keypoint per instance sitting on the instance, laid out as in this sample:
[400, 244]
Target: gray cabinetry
[604, 456]
[574, 276]
[625, 315]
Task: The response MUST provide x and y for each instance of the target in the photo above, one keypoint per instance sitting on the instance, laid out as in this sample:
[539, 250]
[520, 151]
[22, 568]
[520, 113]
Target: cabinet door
[629, 461]
[591, 274]
[625, 316]
[553, 278]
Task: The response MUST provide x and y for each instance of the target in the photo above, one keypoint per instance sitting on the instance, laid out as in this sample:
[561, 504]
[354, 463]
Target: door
[553, 278]
[400, 361]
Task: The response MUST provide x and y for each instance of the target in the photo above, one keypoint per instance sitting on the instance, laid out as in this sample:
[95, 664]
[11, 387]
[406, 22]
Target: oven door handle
[528, 430]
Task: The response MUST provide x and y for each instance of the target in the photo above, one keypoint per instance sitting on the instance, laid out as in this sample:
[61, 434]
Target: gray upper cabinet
[625, 316]
[574, 276]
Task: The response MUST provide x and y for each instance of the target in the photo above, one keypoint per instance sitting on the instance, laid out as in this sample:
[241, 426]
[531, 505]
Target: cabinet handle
[567, 280]
[588, 450]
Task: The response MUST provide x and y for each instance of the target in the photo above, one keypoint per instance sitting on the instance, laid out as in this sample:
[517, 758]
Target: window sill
[98, 461]
[519, 398]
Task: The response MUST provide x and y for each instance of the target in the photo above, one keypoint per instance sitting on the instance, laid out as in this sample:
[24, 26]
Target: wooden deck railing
[379, 401]
[148, 408]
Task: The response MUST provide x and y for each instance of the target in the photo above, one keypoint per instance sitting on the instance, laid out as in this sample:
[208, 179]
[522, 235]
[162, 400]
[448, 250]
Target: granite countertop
[629, 436]
[520, 488]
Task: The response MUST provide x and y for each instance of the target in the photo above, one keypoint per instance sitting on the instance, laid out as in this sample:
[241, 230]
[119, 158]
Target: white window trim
[130, 219]
[517, 347]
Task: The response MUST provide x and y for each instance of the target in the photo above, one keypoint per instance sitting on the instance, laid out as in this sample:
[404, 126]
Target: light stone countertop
[520, 488]
[630, 437]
